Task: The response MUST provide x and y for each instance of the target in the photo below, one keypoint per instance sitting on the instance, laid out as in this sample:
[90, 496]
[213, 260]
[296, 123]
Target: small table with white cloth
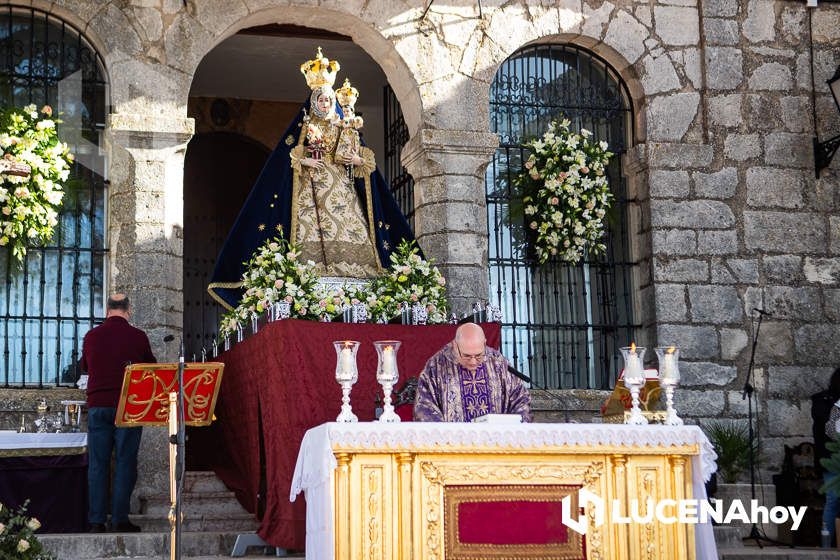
[437, 490]
[49, 470]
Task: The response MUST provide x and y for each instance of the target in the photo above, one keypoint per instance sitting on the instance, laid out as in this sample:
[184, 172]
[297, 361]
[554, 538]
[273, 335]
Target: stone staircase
[212, 520]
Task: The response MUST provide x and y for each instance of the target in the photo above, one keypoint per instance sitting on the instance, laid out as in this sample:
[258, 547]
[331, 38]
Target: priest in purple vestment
[467, 379]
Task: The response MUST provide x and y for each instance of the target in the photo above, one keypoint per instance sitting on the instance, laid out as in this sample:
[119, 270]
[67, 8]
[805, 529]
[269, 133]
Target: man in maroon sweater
[106, 350]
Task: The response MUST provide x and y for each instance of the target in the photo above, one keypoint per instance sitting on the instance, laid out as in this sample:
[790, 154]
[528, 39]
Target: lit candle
[388, 362]
[633, 368]
[347, 359]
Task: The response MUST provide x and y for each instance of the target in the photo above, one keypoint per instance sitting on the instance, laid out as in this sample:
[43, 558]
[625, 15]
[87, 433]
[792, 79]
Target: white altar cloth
[316, 461]
[13, 440]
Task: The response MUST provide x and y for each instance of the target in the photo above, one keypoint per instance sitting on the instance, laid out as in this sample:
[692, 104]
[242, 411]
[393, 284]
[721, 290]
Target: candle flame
[348, 343]
[671, 350]
[389, 348]
[633, 347]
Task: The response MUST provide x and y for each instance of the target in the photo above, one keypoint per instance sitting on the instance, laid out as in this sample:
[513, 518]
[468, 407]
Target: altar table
[384, 491]
[278, 384]
[50, 470]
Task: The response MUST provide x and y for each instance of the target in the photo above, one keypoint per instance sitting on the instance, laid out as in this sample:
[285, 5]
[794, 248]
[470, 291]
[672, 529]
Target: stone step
[777, 553]
[87, 546]
[195, 505]
[728, 537]
[203, 481]
[231, 522]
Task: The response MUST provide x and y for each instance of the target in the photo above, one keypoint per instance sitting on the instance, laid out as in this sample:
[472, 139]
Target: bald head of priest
[466, 379]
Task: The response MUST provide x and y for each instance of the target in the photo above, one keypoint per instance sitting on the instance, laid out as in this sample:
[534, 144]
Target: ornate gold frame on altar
[617, 407]
[144, 399]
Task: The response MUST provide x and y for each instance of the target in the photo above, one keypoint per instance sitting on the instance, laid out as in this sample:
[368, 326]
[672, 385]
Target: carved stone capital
[433, 152]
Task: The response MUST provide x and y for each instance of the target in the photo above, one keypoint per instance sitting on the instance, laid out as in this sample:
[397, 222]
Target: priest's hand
[312, 162]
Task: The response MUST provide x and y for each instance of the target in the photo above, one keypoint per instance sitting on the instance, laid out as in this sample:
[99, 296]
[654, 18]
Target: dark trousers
[103, 438]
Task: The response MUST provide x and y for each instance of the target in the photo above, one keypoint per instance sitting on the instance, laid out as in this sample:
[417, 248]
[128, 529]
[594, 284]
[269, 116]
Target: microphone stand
[527, 379]
[177, 438]
[756, 534]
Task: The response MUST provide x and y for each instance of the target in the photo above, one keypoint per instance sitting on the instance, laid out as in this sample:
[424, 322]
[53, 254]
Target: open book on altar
[499, 419]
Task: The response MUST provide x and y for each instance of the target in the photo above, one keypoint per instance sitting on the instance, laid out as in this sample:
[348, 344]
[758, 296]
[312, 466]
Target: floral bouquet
[410, 279]
[566, 193]
[276, 273]
[17, 535]
[29, 204]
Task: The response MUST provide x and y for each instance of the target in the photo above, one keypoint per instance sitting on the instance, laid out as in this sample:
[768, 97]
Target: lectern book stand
[150, 397]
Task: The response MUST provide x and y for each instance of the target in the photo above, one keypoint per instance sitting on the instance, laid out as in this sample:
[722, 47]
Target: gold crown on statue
[320, 71]
[347, 94]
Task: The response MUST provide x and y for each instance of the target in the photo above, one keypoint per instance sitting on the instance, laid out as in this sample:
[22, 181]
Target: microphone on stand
[527, 379]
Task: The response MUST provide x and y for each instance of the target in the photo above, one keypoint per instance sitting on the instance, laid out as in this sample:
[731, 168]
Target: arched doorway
[250, 87]
[563, 324]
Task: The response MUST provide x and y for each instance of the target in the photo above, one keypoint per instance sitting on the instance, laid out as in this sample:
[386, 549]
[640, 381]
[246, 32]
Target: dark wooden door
[219, 171]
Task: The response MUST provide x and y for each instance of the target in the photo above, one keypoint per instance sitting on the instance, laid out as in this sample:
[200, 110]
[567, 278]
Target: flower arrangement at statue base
[17, 535]
[29, 203]
[276, 273]
[566, 194]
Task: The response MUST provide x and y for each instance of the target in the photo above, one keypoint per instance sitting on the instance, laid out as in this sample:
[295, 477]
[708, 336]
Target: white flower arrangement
[409, 280]
[276, 273]
[566, 193]
[17, 535]
[29, 205]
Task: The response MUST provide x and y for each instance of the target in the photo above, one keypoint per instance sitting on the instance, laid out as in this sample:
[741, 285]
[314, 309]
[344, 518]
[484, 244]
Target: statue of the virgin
[321, 190]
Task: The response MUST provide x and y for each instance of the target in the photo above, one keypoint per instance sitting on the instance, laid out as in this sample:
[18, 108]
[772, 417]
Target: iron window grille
[396, 135]
[57, 294]
[563, 324]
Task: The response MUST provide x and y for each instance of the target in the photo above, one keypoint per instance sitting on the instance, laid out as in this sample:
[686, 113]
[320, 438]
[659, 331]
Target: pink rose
[584, 170]
[278, 284]
[302, 311]
[555, 201]
[289, 299]
[47, 110]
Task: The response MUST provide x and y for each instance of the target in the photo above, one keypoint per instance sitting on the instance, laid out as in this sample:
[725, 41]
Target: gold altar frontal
[392, 504]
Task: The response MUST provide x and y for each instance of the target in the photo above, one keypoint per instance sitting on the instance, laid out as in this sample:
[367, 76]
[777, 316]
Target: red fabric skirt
[280, 383]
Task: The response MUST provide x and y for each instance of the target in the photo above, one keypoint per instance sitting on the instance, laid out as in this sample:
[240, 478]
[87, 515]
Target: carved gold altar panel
[393, 503]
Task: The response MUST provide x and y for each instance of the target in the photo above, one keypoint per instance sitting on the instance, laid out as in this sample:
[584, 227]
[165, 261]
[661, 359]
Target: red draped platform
[281, 382]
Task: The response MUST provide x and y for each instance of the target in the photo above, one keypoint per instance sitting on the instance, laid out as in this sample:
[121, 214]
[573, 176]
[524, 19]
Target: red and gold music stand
[149, 397]
[144, 400]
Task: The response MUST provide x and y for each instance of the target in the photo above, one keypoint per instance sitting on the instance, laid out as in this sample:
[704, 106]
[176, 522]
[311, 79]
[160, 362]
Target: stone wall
[726, 213]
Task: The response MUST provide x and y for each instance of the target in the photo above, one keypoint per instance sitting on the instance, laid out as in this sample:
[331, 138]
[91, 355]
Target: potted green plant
[732, 445]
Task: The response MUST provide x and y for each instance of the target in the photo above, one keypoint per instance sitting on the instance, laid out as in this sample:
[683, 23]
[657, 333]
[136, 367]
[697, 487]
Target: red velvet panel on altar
[282, 381]
[510, 521]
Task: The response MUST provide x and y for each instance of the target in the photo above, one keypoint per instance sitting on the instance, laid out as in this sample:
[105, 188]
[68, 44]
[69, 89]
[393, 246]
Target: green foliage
[732, 445]
[29, 205]
[17, 535]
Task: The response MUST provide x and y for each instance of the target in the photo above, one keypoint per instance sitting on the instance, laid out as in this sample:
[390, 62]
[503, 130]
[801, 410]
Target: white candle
[388, 361]
[347, 360]
[633, 368]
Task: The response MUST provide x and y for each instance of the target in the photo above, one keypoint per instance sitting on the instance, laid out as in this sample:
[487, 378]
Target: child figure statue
[349, 142]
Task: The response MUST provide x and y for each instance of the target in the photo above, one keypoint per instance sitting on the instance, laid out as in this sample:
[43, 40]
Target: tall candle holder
[634, 380]
[346, 373]
[387, 375]
[669, 378]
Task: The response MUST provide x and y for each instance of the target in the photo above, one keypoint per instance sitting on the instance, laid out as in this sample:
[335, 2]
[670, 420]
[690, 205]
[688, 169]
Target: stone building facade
[725, 212]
